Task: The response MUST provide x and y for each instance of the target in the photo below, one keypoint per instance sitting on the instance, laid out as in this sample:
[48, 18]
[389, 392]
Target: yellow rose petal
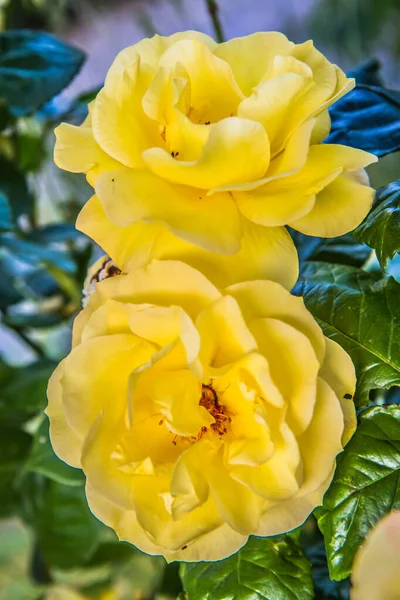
[338, 371]
[65, 441]
[260, 299]
[119, 124]
[339, 208]
[237, 150]
[129, 196]
[240, 52]
[77, 151]
[214, 91]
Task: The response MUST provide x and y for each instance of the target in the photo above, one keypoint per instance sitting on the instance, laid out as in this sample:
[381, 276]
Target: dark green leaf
[75, 111]
[5, 213]
[368, 73]
[381, 228]
[34, 67]
[171, 584]
[6, 119]
[31, 150]
[343, 250]
[112, 553]
[8, 268]
[14, 448]
[38, 284]
[325, 588]
[14, 186]
[362, 314]
[34, 253]
[21, 281]
[56, 233]
[67, 532]
[42, 459]
[366, 486]
[306, 245]
[265, 568]
[23, 389]
[368, 118]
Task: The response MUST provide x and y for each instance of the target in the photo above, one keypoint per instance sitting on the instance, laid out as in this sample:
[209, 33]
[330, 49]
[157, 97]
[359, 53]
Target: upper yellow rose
[200, 416]
[203, 136]
[376, 570]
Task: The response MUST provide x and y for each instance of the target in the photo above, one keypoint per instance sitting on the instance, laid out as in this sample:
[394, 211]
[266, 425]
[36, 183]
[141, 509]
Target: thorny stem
[213, 11]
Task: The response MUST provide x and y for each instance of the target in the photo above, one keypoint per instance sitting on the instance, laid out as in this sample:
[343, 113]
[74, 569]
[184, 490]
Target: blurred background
[44, 261]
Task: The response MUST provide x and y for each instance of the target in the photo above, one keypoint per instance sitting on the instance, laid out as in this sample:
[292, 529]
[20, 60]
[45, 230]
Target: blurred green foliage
[356, 28]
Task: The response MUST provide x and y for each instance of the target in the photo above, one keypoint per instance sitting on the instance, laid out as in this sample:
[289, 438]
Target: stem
[213, 11]
[33, 345]
[40, 571]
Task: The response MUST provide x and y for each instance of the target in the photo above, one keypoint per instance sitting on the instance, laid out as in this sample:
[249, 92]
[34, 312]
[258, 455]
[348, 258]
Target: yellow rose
[376, 571]
[205, 137]
[199, 415]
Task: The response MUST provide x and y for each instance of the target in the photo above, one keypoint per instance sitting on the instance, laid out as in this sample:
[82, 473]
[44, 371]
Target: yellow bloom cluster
[201, 398]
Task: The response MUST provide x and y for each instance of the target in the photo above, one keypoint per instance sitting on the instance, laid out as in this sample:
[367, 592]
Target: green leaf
[171, 584]
[34, 67]
[366, 487]
[10, 269]
[5, 213]
[42, 459]
[23, 389]
[264, 568]
[381, 228]
[362, 313]
[35, 254]
[368, 73]
[14, 187]
[112, 553]
[14, 449]
[342, 250]
[56, 233]
[67, 532]
[325, 588]
[30, 144]
[367, 118]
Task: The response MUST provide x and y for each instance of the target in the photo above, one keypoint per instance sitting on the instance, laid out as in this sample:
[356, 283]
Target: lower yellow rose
[200, 415]
[376, 571]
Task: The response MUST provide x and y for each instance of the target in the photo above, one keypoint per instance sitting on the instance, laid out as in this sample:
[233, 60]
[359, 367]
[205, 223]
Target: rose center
[209, 399]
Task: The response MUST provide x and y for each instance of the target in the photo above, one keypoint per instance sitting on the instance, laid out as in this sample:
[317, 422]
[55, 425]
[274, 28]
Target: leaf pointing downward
[366, 486]
[362, 314]
[381, 228]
